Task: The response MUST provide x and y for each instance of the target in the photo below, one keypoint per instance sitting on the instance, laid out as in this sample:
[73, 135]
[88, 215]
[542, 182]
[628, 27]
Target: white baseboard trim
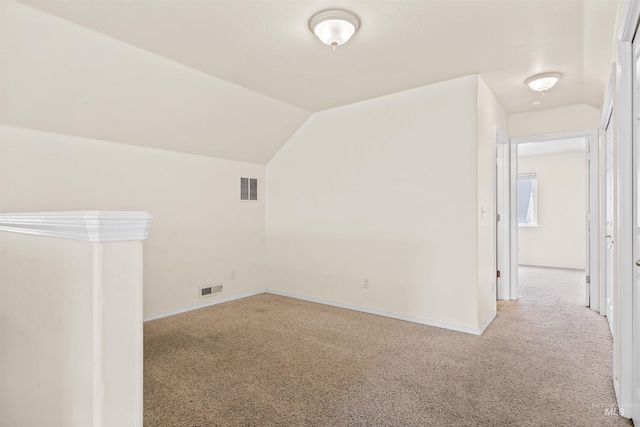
[396, 316]
[389, 314]
[208, 304]
[551, 266]
[486, 323]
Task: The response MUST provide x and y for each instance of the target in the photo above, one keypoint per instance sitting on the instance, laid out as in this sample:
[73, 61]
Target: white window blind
[527, 200]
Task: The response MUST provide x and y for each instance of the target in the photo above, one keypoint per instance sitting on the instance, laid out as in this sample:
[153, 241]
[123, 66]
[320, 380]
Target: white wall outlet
[365, 283]
[233, 274]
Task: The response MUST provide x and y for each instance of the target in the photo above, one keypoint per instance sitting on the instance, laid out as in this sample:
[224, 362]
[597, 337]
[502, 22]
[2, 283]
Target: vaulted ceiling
[234, 79]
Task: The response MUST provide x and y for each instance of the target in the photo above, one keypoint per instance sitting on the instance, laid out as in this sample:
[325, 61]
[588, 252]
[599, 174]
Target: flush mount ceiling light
[543, 82]
[334, 27]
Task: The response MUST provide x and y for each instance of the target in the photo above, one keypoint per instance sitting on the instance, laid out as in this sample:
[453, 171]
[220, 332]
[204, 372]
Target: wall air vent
[207, 291]
[249, 189]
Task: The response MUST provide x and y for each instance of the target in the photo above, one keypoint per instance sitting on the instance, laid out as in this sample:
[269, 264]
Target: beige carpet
[274, 361]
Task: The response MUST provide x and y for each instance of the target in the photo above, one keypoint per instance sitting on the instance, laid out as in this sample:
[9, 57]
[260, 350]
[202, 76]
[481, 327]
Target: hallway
[552, 286]
[556, 326]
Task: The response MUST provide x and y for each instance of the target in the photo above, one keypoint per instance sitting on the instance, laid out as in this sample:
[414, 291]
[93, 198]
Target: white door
[636, 235]
[587, 223]
[609, 267]
[503, 219]
[500, 249]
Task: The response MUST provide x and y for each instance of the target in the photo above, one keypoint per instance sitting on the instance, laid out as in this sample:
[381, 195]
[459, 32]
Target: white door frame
[593, 220]
[608, 120]
[623, 338]
[635, 285]
[592, 264]
[503, 227]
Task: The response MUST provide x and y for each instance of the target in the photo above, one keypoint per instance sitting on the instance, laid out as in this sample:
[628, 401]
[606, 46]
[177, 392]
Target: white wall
[49, 365]
[490, 114]
[71, 332]
[387, 190]
[559, 238]
[200, 230]
[554, 120]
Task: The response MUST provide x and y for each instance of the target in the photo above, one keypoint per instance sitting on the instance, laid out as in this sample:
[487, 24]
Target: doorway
[552, 203]
[584, 145]
[552, 233]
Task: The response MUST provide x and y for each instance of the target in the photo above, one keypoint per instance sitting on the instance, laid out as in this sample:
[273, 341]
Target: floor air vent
[207, 291]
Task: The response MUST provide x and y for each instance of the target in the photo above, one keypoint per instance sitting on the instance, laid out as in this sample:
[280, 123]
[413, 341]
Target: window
[248, 189]
[527, 200]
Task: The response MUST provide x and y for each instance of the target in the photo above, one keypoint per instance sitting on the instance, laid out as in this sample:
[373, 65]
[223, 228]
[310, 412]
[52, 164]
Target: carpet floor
[268, 360]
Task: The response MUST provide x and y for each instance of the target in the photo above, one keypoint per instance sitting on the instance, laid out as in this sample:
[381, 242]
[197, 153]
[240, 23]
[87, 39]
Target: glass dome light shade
[334, 27]
[334, 32]
[543, 82]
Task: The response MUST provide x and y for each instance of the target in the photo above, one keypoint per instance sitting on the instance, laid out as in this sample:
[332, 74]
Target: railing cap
[88, 226]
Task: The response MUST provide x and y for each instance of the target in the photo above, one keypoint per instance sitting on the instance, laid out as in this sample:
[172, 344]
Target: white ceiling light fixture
[334, 27]
[543, 82]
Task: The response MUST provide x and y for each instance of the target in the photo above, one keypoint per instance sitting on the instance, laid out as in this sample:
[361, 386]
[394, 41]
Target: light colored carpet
[274, 361]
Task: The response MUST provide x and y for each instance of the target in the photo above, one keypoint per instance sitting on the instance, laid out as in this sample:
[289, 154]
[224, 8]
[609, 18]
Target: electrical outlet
[233, 274]
[365, 283]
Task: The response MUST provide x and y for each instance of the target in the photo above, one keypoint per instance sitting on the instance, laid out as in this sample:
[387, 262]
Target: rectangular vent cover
[248, 189]
[207, 291]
